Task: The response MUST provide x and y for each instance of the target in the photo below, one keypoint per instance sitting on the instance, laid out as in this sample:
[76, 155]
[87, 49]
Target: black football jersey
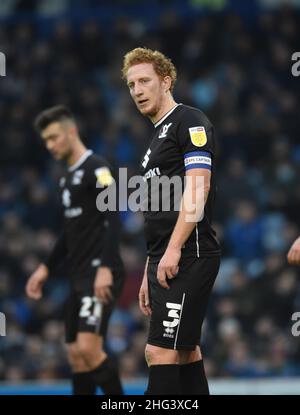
[183, 139]
[90, 237]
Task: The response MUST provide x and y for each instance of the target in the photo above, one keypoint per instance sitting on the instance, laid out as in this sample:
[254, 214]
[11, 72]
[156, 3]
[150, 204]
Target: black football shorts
[178, 312]
[85, 313]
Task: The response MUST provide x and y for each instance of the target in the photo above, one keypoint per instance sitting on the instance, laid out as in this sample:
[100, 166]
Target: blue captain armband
[197, 160]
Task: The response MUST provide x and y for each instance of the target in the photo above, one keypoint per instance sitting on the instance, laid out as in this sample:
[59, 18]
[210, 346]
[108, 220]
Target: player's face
[57, 140]
[146, 88]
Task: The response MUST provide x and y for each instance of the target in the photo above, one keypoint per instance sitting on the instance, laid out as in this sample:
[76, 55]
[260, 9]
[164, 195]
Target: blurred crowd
[238, 71]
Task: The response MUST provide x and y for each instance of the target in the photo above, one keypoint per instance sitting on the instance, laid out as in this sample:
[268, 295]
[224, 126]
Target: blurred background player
[183, 254]
[90, 243]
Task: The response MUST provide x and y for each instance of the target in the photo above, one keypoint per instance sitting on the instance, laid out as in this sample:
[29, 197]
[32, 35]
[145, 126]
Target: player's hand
[144, 302]
[293, 255]
[168, 266]
[36, 281]
[103, 284]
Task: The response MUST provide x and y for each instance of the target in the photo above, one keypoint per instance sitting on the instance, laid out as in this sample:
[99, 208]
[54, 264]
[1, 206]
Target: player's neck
[78, 150]
[167, 105]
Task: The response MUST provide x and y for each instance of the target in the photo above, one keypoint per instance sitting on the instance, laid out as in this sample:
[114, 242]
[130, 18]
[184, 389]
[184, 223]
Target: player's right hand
[144, 302]
[36, 281]
[103, 284]
[293, 255]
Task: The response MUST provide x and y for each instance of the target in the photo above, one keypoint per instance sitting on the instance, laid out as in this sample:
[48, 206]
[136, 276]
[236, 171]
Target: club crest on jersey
[164, 130]
[104, 176]
[198, 136]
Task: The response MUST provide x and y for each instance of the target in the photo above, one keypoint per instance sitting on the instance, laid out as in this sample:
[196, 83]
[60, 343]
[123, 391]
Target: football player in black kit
[183, 255]
[90, 243]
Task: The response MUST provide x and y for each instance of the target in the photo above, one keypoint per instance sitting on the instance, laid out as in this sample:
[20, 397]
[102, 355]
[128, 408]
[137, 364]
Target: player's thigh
[73, 352]
[76, 361]
[156, 355]
[89, 344]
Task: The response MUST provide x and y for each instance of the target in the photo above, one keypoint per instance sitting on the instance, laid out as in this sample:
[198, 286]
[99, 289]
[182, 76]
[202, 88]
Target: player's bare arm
[193, 200]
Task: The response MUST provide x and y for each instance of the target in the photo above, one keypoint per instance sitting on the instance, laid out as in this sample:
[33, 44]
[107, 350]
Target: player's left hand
[103, 284]
[168, 266]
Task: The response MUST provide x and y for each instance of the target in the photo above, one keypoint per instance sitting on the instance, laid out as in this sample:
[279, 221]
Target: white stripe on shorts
[197, 241]
[182, 302]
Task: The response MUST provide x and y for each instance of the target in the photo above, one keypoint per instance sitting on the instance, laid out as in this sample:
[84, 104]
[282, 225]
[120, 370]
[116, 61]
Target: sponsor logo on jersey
[164, 130]
[73, 212]
[104, 177]
[151, 173]
[77, 177]
[198, 136]
[174, 313]
[146, 158]
[62, 181]
[66, 198]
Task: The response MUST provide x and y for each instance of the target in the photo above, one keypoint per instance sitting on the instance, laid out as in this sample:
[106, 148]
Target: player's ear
[72, 130]
[167, 83]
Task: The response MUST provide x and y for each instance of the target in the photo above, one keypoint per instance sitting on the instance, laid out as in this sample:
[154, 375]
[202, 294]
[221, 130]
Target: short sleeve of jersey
[100, 174]
[195, 138]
